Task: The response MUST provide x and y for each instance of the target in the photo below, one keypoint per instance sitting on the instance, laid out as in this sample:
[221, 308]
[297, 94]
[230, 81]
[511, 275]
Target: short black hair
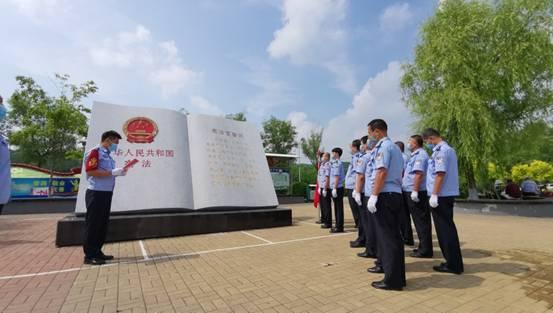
[401, 145]
[430, 132]
[356, 143]
[110, 134]
[418, 140]
[364, 139]
[379, 124]
[337, 150]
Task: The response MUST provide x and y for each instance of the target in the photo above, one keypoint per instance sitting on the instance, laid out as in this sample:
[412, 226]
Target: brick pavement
[302, 268]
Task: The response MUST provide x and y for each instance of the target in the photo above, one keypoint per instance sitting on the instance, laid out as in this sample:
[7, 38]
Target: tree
[240, 116]
[47, 129]
[482, 72]
[538, 170]
[311, 145]
[278, 136]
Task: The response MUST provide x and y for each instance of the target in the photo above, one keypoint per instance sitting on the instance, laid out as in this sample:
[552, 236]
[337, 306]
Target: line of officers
[385, 188]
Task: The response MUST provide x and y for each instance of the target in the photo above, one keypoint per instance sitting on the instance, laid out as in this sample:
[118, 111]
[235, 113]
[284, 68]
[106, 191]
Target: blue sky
[319, 63]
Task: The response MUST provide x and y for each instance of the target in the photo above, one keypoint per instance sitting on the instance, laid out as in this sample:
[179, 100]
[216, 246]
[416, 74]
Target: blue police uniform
[5, 175]
[365, 166]
[337, 170]
[420, 211]
[351, 178]
[326, 207]
[444, 160]
[98, 198]
[387, 156]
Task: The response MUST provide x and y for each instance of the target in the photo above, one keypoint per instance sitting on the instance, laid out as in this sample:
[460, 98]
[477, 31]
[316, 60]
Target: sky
[331, 64]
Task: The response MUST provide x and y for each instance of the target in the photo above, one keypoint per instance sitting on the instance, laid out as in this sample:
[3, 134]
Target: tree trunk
[471, 182]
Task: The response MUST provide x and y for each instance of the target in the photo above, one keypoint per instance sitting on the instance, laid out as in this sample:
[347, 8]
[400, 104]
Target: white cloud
[136, 51]
[313, 33]
[380, 97]
[201, 105]
[39, 9]
[304, 127]
[395, 17]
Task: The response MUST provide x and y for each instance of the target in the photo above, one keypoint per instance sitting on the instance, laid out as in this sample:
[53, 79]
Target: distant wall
[528, 208]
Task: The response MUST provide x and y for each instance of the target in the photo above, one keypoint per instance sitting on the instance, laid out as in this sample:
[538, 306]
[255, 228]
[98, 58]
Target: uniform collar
[439, 146]
[106, 150]
[416, 152]
[379, 143]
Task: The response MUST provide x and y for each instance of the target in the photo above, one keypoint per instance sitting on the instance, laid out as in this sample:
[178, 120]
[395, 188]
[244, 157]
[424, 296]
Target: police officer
[357, 195]
[355, 149]
[405, 217]
[416, 197]
[324, 185]
[442, 181]
[337, 186]
[100, 176]
[5, 176]
[385, 203]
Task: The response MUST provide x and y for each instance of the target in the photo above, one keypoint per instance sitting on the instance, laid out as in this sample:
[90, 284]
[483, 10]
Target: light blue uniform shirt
[388, 156]
[336, 169]
[417, 163]
[105, 163]
[368, 171]
[405, 160]
[324, 172]
[351, 175]
[444, 159]
[5, 175]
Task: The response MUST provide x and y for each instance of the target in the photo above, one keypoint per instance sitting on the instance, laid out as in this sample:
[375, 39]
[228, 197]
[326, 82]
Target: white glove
[334, 193]
[357, 197]
[371, 204]
[324, 193]
[433, 201]
[118, 172]
[415, 196]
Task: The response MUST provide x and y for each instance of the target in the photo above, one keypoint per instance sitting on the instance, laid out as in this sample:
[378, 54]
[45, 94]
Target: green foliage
[240, 116]
[482, 72]
[278, 136]
[47, 129]
[305, 173]
[299, 188]
[310, 146]
[537, 170]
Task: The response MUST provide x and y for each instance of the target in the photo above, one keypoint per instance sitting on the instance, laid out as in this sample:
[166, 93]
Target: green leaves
[310, 145]
[278, 136]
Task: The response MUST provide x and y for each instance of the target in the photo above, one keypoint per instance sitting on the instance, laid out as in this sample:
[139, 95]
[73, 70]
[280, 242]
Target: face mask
[430, 146]
[113, 147]
[372, 142]
[409, 148]
[3, 112]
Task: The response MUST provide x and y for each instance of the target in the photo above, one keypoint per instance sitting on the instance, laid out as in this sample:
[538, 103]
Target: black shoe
[382, 285]
[326, 226]
[105, 257]
[420, 255]
[366, 254]
[336, 230]
[376, 270]
[94, 261]
[444, 269]
[356, 244]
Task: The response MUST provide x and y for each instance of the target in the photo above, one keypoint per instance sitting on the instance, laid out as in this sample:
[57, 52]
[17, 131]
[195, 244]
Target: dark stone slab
[142, 226]
[291, 199]
[526, 208]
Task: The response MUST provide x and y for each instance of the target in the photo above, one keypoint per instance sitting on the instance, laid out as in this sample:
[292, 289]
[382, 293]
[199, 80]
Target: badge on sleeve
[439, 160]
[379, 156]
[92, 160]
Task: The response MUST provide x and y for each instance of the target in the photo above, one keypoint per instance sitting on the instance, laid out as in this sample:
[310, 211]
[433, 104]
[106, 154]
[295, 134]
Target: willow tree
[481, 72]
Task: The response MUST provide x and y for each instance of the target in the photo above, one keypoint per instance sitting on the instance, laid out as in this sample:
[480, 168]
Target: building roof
[284, 156]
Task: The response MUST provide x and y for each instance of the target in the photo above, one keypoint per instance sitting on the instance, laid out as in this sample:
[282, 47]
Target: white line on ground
[144, 253]
[256, 237]
[174, 256]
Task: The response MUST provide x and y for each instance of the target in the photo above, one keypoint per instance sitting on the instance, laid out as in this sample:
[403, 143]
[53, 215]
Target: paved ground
[509, 268]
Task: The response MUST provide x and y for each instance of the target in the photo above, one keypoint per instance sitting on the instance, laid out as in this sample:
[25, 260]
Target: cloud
[304, 127]
[313, 34]
[39, 9]
[395, 17]
[201, 105]
[380, 97]
[159, 62]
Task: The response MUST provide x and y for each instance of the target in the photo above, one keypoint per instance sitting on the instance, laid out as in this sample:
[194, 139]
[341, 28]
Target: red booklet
[130, 164]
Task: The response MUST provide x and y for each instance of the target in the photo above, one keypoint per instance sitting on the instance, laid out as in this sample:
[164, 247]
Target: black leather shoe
[420, 255]
[366, 255]
[94, 261]
[376, 270]
[356, 244]
[444, 269]
[106, 257]
[382, 285]
[336, 230]
[325, 226]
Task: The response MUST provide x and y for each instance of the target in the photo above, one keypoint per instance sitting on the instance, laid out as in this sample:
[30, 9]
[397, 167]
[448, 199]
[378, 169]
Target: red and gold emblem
[140, 130]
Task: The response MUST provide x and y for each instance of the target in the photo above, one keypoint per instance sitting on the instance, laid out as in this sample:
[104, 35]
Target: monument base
[143, 226]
